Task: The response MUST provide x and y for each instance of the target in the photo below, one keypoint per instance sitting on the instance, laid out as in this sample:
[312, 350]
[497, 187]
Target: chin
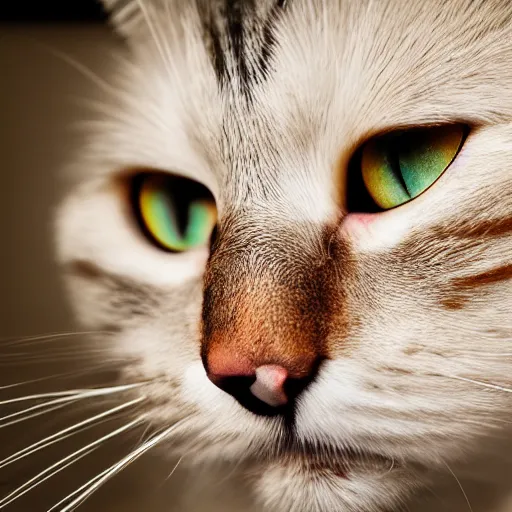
[299, 485]
[290, 462]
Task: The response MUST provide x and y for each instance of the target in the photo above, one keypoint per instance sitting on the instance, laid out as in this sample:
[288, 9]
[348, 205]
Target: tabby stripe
[86, 270]
[491, 228]
[125, 294]
[217, 54]
[268, 37]
[472, 229]
[228, 25]
[484, 278]
[236, 11]
[461, 289]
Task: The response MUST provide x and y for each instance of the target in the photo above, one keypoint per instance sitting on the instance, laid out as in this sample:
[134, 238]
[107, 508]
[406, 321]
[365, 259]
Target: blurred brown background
[40, 105]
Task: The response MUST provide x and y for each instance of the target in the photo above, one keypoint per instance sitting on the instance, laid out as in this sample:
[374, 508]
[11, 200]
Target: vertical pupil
[181, 201]
[394, 161]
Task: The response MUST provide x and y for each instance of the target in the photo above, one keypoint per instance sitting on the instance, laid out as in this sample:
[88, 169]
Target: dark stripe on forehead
[214, 45]
[236, 12]
[239, 36]
[268, 36]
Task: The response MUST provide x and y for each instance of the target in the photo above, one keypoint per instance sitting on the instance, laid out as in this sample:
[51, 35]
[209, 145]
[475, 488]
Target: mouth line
[341, 462]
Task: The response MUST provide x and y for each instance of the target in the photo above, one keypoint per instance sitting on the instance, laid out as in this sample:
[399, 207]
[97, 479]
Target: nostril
[265, 389]
[267, 392]
[235, 386]
[240, 389]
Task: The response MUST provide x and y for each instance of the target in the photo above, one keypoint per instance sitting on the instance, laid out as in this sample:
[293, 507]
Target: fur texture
[264, 103]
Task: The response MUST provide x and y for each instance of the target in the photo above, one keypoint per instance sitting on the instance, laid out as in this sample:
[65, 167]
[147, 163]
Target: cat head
[294, 219]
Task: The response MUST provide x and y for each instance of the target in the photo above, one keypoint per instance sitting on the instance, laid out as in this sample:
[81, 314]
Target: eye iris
[381, 178]
[398, 168]
[202, 218]
[179, 214]
[426, 155]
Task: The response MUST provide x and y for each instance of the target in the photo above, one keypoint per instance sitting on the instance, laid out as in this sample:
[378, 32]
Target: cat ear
[125, 15]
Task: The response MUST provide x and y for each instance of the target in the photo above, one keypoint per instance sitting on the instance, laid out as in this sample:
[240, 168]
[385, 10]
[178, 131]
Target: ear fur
[125, 15]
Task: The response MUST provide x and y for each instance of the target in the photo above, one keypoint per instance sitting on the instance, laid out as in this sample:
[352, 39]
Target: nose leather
[269, 385]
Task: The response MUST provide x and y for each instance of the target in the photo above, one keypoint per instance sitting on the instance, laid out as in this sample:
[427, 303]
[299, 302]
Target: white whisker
[80, 67]
[49, 358]
[24, 383]
[34, 415]
[75, 392]
[62, 462]
[460, 485]
[478, 383]
[54, 353]
[68, 398]
[144, 434]
[79, 490]
[37, 407]
[47, 477]
[235, 467]
[64, 434]
[117, 467]
[54, 376]
[174, 468]
[50, 337]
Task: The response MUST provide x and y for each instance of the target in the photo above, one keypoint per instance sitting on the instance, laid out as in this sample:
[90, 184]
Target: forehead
[254, 47]
[261, 91]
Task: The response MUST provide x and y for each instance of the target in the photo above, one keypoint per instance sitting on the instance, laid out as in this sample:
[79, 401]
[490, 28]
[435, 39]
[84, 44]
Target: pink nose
[269, 385]
[263, 389]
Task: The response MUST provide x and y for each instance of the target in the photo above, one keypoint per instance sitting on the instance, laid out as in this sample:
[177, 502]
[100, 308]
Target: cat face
[343, 354]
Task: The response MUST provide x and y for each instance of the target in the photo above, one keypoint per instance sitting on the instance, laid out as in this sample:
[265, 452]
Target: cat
[294, 220]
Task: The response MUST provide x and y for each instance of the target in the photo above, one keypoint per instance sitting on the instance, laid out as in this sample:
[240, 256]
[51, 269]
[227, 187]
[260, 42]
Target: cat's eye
[178, 214]
[399, 166]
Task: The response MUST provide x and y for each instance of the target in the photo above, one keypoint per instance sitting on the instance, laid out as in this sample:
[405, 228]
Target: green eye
[400, 166]
[177, 213]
